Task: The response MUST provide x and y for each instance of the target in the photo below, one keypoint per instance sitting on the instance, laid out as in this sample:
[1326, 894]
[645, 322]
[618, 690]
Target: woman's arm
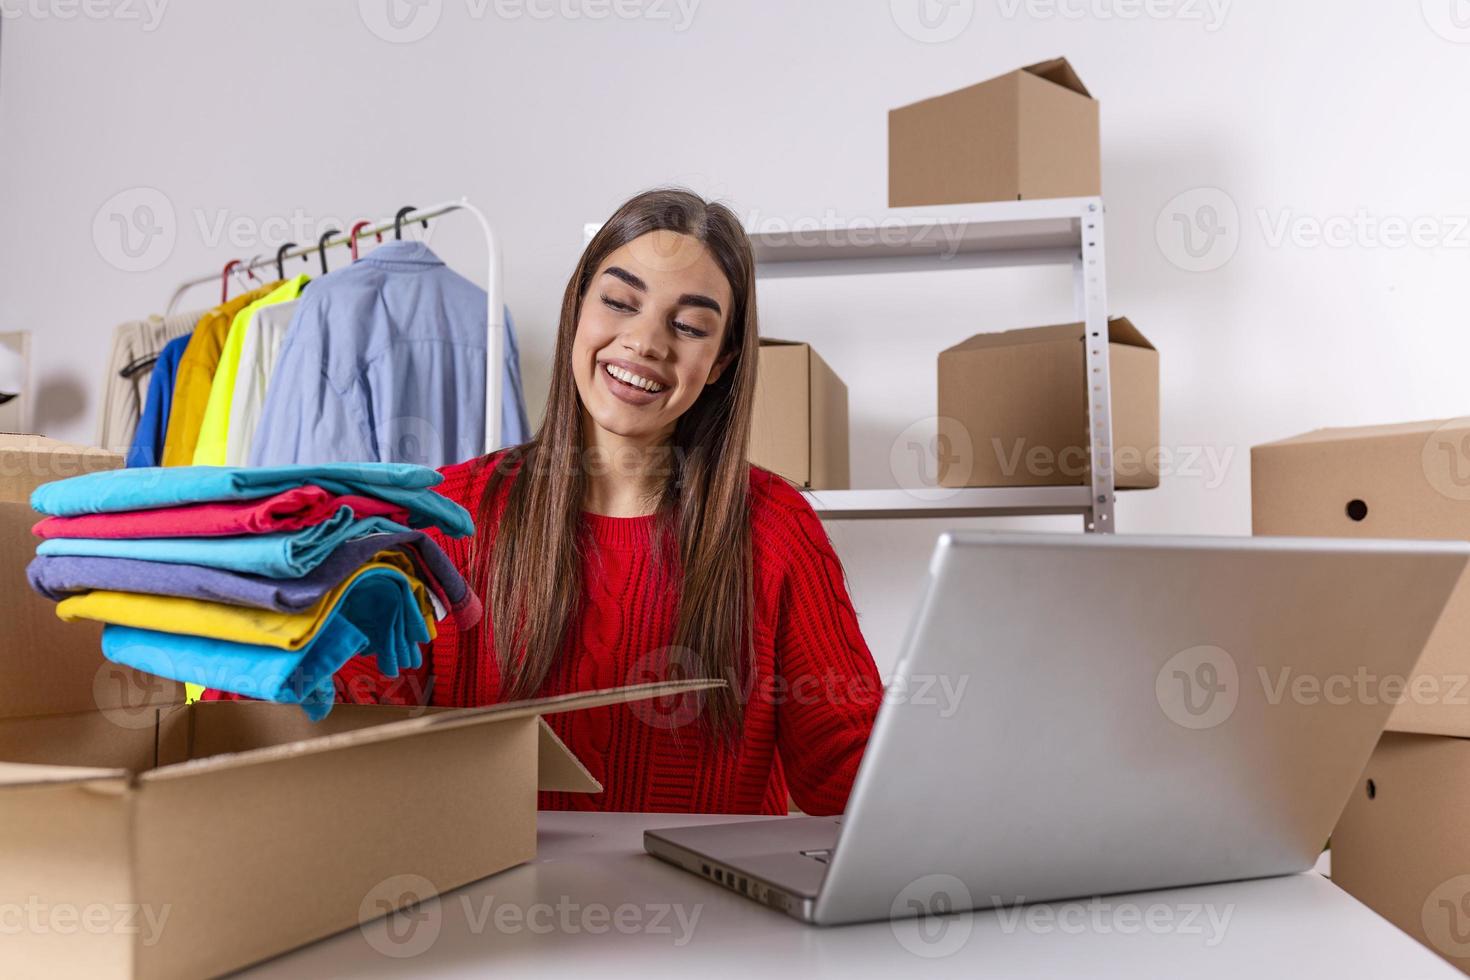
[828, 688]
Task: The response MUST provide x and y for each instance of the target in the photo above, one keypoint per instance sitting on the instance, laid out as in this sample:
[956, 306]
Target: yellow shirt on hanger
[214, 428]
[237, 624]
[196, 374]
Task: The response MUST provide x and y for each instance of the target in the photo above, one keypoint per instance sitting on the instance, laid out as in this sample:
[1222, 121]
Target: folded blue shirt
[283, 554]
[378, 614]
[109, 491]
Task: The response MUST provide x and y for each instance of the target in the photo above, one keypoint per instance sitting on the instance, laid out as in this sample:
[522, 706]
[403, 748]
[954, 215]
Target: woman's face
[649, 334]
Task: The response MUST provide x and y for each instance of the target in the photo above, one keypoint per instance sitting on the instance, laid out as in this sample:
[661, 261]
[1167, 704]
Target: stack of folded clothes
[261, 582]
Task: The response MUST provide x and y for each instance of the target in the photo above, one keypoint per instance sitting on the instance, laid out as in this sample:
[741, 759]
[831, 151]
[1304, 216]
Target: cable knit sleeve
[828, 687]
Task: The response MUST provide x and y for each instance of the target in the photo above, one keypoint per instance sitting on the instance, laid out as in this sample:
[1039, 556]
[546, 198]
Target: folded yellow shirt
[237, 624]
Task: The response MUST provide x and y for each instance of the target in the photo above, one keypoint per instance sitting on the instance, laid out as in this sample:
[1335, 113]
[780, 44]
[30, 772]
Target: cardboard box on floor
[799, 425]
[1030, 133]
[1386, 481]
[1400, 846]
[1013, 408]
[146, 838]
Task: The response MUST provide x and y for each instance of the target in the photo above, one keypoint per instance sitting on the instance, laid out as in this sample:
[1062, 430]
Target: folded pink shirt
[289, 510]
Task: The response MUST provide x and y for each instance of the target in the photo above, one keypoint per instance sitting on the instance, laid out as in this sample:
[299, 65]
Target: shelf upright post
[1090, 291]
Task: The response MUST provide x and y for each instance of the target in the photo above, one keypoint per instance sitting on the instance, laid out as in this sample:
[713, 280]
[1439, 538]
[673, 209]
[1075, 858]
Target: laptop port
[705, 869]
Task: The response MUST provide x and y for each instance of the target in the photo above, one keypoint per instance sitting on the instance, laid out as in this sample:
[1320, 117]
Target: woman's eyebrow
[618, 272]
[696, 299]
[688, 299]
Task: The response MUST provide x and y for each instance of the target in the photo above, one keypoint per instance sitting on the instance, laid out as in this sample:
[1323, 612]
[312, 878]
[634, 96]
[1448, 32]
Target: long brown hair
[532, 570]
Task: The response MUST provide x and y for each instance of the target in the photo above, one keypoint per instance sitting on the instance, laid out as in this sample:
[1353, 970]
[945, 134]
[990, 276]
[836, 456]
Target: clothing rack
[495, 306]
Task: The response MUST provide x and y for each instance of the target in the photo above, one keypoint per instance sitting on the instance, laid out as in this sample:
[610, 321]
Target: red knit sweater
[814, 697]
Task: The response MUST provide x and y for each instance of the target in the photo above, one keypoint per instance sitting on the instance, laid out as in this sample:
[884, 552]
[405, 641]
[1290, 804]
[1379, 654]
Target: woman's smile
[633, 384]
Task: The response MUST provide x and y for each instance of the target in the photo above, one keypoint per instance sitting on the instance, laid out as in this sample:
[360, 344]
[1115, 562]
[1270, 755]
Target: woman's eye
[689, 330]
[621, 307]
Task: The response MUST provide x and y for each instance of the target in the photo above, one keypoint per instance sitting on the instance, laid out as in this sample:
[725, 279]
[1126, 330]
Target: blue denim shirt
[384, 361]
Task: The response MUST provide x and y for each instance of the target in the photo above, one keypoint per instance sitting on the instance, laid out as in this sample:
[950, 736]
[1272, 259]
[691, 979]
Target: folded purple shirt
[58, 576]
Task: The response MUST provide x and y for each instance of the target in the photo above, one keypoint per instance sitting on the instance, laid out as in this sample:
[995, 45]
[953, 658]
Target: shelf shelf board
[897, 504]
[951, 236]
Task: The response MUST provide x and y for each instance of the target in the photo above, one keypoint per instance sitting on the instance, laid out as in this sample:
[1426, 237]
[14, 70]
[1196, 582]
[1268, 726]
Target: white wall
[276, 111]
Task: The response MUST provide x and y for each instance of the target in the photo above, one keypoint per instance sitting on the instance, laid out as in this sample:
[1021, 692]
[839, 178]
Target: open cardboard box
[220, 834]
[142, 837]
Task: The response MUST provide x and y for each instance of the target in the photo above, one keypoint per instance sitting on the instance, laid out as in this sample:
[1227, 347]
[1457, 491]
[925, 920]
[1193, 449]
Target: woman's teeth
[628, 377]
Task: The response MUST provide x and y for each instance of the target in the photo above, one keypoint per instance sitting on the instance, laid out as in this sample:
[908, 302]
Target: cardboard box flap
[14, 774]
[27, 461]
[1355, 433]
[558, 769]
[457, 718]
[1120, 331]
[1058, 71]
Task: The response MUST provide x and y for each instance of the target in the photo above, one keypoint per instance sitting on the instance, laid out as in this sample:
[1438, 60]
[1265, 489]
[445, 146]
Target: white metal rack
[1062, 231]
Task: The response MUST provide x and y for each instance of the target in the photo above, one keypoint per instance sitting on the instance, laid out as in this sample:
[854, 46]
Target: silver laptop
[1077, 715]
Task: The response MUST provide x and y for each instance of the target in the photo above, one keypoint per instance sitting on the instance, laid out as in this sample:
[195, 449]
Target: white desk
[561, 917]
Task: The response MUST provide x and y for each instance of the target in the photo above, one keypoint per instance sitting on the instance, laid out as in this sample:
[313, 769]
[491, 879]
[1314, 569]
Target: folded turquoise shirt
[284, 554]
[136, 489]
[378, 615]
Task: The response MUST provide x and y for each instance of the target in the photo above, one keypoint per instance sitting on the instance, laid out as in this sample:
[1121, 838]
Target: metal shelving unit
[1063, 231]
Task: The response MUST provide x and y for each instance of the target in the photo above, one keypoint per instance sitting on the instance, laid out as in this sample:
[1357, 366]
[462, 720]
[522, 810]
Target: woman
[631, 541]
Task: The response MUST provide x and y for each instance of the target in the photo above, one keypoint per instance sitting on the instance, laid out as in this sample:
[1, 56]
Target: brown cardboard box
[141, 837]
[799, 426]
[1400, 846]
[1386, 481]
[1013, 408]
[1030, 133]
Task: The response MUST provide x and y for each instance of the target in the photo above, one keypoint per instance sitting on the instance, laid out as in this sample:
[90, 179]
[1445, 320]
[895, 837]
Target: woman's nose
[644, 337]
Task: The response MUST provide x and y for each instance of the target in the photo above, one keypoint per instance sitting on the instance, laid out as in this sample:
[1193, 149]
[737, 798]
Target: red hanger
[352, 236]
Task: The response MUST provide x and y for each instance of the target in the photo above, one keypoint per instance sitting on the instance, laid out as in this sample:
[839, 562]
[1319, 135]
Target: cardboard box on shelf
[148, 838]
[1013, 408]
[1400, 846]
[1030, 133]
[799, 425]
[1387, 481]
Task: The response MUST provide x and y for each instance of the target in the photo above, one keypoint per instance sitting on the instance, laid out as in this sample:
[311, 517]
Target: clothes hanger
[224, 280]
[352, 236]
[321, 246]
[398, 221]
[281, 259]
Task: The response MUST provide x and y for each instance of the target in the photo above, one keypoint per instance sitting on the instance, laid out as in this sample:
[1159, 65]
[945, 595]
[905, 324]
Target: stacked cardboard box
[1014, 408]
[1400, 846]
[146, 837]
[1030, 133]
[799, 424]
